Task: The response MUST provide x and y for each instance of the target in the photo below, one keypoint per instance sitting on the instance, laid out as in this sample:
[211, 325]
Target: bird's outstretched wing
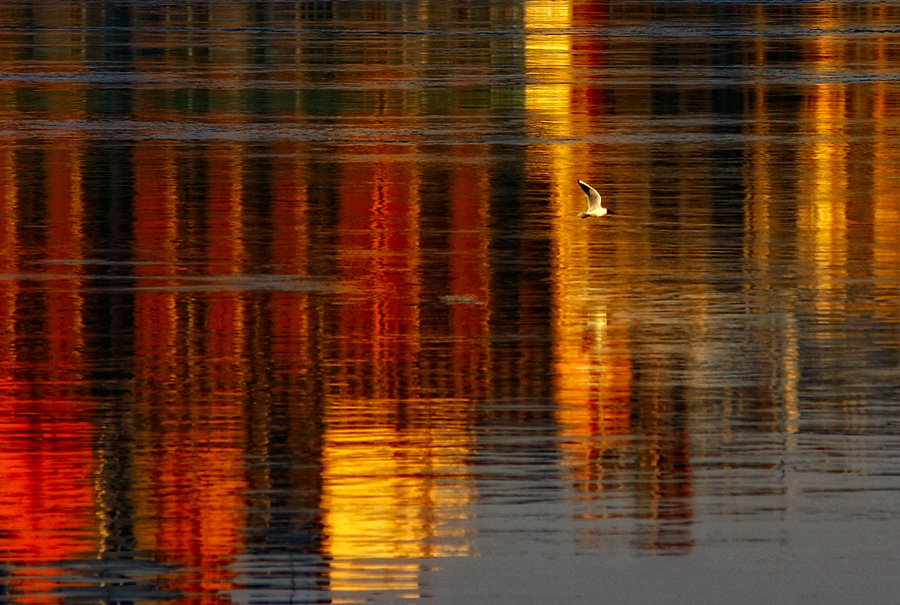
[592, 195]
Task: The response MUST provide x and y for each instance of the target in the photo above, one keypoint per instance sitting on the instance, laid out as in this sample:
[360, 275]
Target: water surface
[297, 307]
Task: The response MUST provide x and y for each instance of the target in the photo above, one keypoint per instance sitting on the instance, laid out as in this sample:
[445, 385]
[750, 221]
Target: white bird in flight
[595, 208]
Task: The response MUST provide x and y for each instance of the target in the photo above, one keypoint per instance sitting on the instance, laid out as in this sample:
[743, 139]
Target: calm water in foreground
[296, 306]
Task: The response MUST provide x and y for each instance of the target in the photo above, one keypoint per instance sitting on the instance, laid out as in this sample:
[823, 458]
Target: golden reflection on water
[592, 384]
[371, 391]
[592, 349]
[593, 345]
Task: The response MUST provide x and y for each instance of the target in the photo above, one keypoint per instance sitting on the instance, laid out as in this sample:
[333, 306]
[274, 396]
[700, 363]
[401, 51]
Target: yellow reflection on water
[548, 63]
[552, 110]
[824, 183]
[391, 493]
[386, 494]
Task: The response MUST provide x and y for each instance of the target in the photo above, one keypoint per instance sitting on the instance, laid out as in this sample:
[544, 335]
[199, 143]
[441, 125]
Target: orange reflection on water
[379, 263]
[379, 418]
[190, 483]
[290, 255]
[385, 447]
[885, 176]
[469, 322]
[840, 195]
[824, 183]
[593, 350]
[47, 461]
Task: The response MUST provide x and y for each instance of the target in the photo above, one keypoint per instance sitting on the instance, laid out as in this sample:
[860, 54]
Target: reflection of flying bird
[594, 206]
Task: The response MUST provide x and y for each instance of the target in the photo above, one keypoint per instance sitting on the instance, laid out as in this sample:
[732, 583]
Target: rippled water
[296, 305]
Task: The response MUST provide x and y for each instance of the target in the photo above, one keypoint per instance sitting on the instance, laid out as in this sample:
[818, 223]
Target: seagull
[594, 206]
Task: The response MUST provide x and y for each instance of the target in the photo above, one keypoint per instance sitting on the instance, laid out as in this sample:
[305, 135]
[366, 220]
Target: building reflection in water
[617, 432]
[304, 345]
[47, 456]
[47, 452]
[384, 449]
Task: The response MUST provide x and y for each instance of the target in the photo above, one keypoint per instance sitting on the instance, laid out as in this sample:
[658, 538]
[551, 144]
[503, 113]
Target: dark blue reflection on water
[296, 305]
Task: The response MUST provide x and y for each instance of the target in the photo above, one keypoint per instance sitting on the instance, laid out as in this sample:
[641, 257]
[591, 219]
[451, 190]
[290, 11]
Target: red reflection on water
[190, 483]
[290, 248]
[469, 278]
[379, 259]
[47, 466]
